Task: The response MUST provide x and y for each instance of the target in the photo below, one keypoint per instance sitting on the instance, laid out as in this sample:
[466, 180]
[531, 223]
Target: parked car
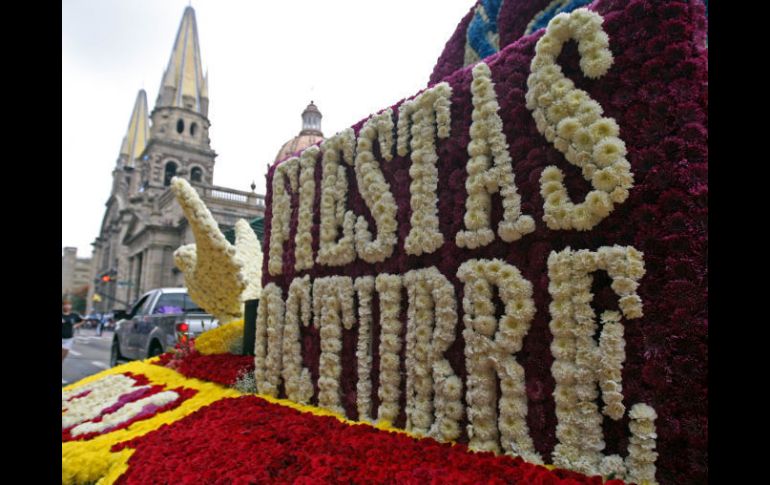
[158, 320]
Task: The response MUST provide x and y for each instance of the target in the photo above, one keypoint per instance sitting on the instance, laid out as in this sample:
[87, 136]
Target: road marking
[75, 353]
[100, 364]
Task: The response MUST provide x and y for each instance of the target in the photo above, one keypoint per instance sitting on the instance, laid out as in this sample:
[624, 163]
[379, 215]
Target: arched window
[180, 126]
[196, 174]
[193, 129]
[169, 173]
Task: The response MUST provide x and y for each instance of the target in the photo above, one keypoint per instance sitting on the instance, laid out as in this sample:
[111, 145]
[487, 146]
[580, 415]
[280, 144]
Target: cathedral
[143, 224]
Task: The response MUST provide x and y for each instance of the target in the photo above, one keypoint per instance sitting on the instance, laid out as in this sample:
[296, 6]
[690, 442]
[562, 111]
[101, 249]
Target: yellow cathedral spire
[138, 133]
[183, 84]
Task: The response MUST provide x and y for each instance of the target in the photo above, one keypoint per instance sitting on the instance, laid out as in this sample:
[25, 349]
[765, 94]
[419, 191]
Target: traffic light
[106, 278]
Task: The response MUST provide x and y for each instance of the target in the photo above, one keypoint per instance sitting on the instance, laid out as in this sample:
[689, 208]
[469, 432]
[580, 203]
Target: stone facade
[143, 224]
[74, 271]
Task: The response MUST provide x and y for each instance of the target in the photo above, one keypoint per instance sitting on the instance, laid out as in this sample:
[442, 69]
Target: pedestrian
[100, 325]
[69, 322]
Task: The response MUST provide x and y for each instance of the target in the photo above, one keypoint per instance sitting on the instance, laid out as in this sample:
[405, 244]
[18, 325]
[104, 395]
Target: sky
[266, 61]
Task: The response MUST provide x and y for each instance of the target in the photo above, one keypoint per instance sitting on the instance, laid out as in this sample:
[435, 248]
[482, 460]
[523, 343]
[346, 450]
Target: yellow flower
[219, 340]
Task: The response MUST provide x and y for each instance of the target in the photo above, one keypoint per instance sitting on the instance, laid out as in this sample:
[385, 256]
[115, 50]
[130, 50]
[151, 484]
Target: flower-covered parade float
[502, 279]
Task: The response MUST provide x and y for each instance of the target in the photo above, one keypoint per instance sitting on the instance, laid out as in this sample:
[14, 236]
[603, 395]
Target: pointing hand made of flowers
[218, 275]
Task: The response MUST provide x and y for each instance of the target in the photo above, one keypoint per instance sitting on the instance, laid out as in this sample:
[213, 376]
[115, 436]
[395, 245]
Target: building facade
[75, 271]
[143, 224]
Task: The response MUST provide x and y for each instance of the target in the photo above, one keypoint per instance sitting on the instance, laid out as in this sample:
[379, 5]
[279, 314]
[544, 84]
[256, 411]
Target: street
[89, 355]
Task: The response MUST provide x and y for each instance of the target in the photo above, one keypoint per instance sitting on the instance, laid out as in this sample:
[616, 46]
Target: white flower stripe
[125, 413]
[364, 288]
[296, 378]
[303, 253]
[281, 218]
[375, 191]
[579, 362]
[389, 289]
[432, 388]
[269, 338]
[572, 121]
[332, 309]
[641, 458]
[490, 348]
[429, 109]
[488, 145]
[104, 393]
[334, 214]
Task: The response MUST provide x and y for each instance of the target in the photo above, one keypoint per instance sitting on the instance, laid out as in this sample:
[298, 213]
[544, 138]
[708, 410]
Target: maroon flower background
[248, 440]
[656, 90]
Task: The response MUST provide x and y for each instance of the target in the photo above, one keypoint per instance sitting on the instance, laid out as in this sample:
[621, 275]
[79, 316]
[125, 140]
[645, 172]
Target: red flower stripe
[248, 440]
[220, 368]
[76, 396]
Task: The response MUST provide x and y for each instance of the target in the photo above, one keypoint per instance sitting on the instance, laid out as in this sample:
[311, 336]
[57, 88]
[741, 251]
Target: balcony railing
[218, 193]
[232, 195]
[221, 194]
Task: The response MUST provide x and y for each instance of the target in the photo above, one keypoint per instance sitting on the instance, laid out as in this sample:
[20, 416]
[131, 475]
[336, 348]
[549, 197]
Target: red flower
[220, 368]
[246, 439]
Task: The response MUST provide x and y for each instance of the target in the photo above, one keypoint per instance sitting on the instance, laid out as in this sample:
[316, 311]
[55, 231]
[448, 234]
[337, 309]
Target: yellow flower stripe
[381, 425]
[91, 461]
[219, 340]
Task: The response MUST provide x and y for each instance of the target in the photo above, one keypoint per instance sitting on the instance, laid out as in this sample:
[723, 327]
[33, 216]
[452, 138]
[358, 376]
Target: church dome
[308, 136]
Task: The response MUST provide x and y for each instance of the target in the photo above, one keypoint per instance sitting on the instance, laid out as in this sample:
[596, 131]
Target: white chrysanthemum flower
[551, 174]
[582, 218]
[631, 306]
[559, 27]
[548, 45]
[599, 204]
[568, 127]
[609, 150]
[556, 112]
[540, 61]
[605, 180]
[597, 64]
[619, 195]
[604, 128]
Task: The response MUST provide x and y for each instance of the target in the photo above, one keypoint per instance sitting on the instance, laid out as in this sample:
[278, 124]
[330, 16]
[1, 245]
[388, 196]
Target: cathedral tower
[143, 223]
[125, 177]
[179, 138]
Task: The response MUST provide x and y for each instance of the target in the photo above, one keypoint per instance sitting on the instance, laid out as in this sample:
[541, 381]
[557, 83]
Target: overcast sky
[266, 61]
